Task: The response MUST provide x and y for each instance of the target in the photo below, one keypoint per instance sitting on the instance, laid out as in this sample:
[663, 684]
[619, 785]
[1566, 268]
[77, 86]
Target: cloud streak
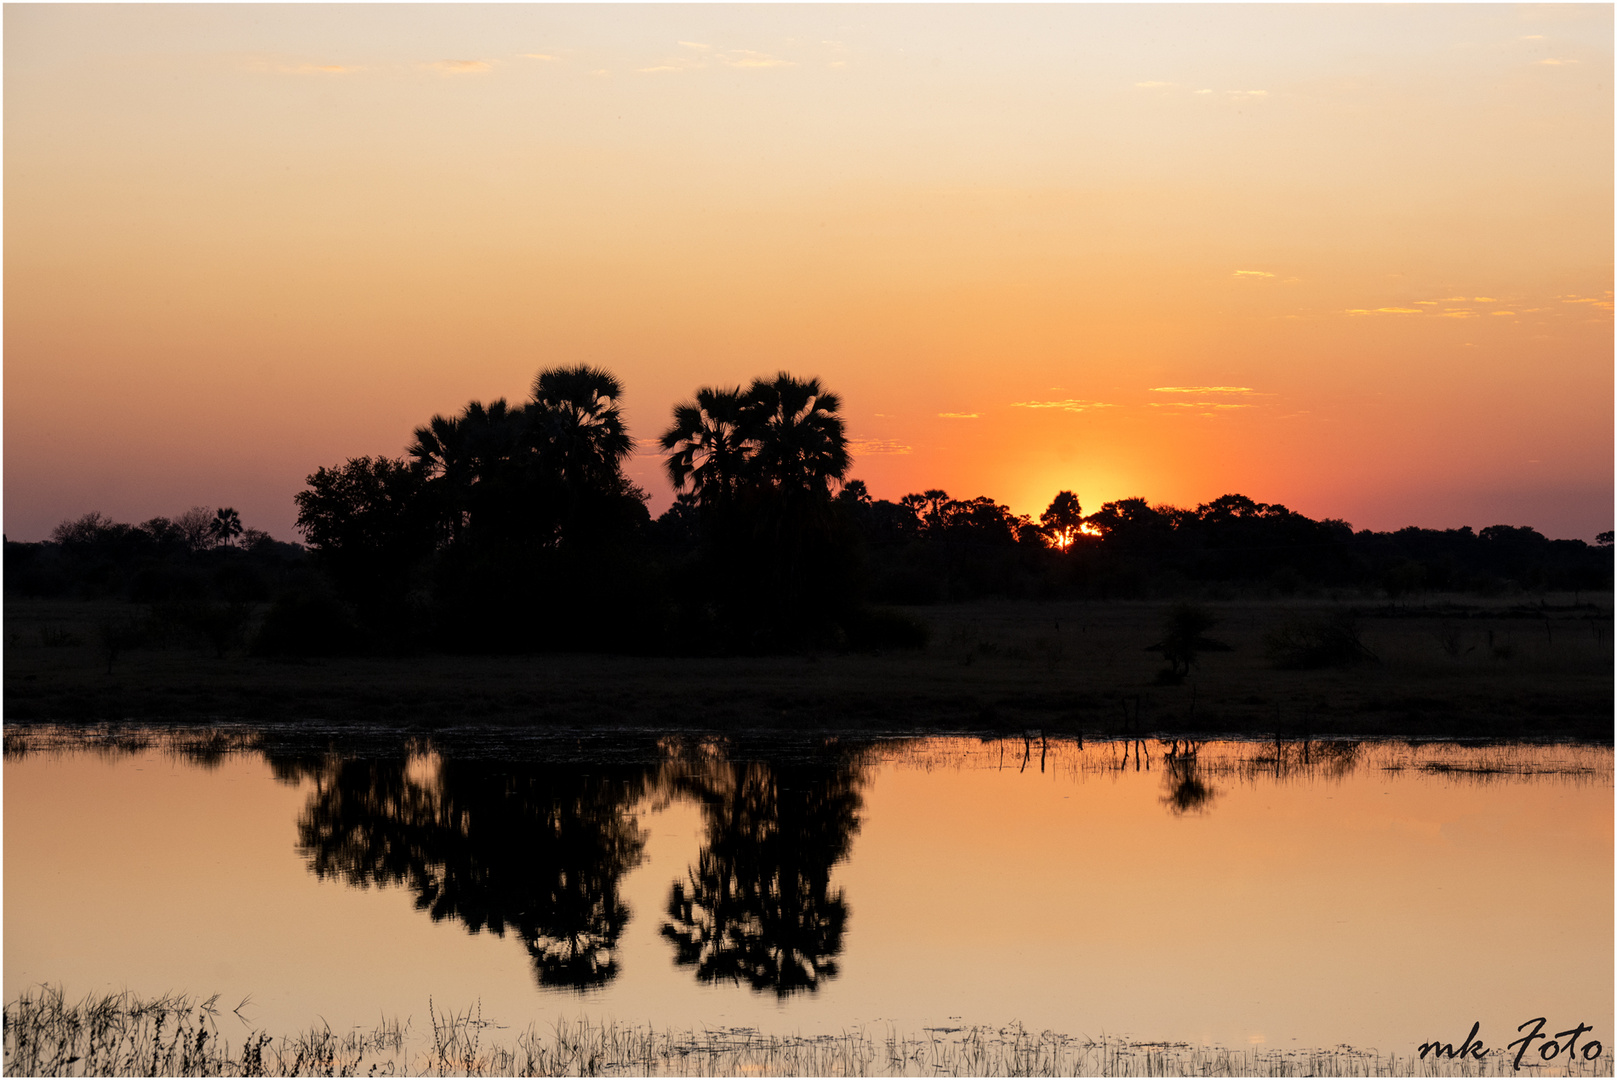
[1065, 404]
[460, 67]
[1203, 390]
[873, 447]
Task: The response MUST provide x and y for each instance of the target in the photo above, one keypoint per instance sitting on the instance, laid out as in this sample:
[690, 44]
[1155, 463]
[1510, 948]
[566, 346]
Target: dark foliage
[185, 559]
[512, 528]
[1331, 641]
[1183, 637]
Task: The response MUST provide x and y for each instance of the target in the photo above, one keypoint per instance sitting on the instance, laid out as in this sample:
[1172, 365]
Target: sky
[1352, 259]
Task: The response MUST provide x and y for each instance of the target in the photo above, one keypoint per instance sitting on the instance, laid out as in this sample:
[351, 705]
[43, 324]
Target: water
[1242, 895]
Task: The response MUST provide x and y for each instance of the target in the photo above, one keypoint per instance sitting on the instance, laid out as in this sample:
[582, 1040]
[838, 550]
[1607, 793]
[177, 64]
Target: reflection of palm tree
[707, 444]
[1187, 792]
[535, 849]
[758, 907]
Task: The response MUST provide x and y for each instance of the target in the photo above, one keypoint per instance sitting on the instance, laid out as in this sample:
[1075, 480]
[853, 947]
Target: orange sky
[243, 242]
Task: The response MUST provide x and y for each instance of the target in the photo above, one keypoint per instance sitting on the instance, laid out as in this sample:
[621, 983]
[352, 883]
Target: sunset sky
[1357, 260]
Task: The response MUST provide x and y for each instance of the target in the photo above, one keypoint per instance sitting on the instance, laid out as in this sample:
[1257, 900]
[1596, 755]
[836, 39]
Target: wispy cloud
[746, 58]
[1483, 300]
[1456, 313]
[1556, 62]
[1202, 390]
[1206, 408]
[1384, 311]
[1065, 404]
[958, 415]
[1504, 313]
[538, 56]
[1247, 93]
[286, 68]
[1253, 273]
[460, 67]
[706, 56]
[871, 447]
[1204, 91]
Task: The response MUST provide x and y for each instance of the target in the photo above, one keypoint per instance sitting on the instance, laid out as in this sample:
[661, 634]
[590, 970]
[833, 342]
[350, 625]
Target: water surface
[1231, 893]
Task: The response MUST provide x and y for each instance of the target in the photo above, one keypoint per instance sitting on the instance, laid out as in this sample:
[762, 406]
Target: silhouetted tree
[1062, 520]
[794, 423]
[708, 445]
[371, 524]
[578, 427]
[777, 562]
[225, 526]
[1183, 637]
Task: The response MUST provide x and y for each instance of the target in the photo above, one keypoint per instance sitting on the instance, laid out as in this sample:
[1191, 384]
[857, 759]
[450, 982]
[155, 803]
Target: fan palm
[458, 453]
[799, 436]
[707, 444]
[577, 420]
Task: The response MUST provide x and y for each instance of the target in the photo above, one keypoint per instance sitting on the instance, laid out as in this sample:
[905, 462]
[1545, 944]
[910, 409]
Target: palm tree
[578, 423]
[708, 445]
[798, 434]
[460, 453]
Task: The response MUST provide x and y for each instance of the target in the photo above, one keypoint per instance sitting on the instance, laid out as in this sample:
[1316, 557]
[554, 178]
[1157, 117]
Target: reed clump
[175, 1035]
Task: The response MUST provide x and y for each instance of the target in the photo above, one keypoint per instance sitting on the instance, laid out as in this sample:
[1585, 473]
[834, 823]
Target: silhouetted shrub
[217, 626]
[1328, 641]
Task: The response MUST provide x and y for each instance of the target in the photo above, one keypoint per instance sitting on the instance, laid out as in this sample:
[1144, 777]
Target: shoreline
[177, 1034]
[1440, 670]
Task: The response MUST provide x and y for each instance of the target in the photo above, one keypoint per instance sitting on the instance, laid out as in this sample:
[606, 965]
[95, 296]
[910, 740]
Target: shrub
[1326, 641]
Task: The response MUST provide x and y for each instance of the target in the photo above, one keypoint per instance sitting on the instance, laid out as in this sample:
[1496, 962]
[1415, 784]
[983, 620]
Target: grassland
[1528, 666]
[121, 1035]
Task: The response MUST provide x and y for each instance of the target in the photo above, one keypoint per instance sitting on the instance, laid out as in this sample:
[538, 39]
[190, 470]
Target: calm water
[1375, 895]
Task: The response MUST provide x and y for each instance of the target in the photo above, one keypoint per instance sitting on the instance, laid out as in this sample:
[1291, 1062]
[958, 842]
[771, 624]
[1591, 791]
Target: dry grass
[121, 1035]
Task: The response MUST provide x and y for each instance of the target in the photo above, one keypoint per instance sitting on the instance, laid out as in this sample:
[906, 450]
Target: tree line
[513, 527]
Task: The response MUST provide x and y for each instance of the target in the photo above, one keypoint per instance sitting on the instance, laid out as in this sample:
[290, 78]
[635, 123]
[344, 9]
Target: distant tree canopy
[202, 555]
[514, 528]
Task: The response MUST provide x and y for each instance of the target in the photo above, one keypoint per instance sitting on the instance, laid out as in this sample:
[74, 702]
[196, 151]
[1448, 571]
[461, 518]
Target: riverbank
[1440, 667]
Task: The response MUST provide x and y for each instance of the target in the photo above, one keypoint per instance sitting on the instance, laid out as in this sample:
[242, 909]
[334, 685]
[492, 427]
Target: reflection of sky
[297, 232]
[1380, 908]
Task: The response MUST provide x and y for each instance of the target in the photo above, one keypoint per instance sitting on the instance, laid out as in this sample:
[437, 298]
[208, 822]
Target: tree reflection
[538, 849]
[1187, 792]
[758, 907]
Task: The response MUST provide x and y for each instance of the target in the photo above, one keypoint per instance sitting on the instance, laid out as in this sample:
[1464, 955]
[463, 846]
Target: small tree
[1183, 629]
[1062, 521]
[225, 526]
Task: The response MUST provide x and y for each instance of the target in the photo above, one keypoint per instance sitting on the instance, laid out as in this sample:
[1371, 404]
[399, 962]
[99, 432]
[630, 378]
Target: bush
[1327, 641]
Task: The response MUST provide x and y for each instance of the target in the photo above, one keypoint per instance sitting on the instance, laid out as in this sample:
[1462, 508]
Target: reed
[175, 1035]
